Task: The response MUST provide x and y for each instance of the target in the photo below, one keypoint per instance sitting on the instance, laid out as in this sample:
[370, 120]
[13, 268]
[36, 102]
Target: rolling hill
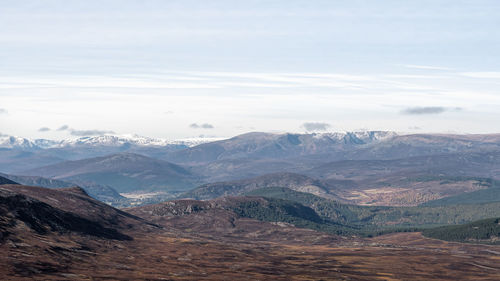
[124, 172]
[239, 187]
[15, 160]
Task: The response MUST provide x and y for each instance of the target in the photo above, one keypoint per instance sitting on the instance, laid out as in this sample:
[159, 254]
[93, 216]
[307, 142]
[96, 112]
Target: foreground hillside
[50, 234]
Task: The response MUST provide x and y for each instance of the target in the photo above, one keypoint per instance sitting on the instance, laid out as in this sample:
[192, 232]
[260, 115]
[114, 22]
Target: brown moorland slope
[43, 242]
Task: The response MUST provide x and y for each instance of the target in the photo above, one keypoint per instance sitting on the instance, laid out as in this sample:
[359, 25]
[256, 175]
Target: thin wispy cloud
[217, 80]
[44, 129]
[3, 111]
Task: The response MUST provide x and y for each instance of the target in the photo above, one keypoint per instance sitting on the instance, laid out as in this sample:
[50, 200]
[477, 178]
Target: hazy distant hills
[12, 160]
[124, 172]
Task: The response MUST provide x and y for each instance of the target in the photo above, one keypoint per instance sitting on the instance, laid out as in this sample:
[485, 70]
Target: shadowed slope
[124, 172]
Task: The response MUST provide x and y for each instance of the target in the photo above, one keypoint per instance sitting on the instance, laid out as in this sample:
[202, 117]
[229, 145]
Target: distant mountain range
[14, 142]
[256, 154]
[18, 154]
[276, 146]
[367, 168]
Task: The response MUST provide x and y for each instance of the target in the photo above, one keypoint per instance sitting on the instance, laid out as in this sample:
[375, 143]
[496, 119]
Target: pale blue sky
[156, 67]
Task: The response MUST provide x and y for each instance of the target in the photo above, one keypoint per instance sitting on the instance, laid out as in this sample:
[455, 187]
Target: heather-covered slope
[49, 234]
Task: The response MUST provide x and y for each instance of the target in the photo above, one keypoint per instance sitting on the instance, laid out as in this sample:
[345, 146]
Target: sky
[178, 69]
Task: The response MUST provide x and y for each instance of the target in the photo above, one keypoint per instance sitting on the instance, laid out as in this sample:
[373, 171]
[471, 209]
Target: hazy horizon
[180, 69]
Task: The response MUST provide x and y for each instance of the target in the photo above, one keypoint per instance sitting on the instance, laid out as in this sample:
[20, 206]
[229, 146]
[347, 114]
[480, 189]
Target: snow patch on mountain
[13, 142]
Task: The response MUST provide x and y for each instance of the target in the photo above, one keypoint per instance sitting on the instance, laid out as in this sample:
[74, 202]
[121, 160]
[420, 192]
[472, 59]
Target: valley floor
[171, 255]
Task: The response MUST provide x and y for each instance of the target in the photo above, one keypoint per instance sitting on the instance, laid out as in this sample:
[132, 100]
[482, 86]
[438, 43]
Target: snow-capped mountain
[355, 137]
[109, 140]
[13, 142]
